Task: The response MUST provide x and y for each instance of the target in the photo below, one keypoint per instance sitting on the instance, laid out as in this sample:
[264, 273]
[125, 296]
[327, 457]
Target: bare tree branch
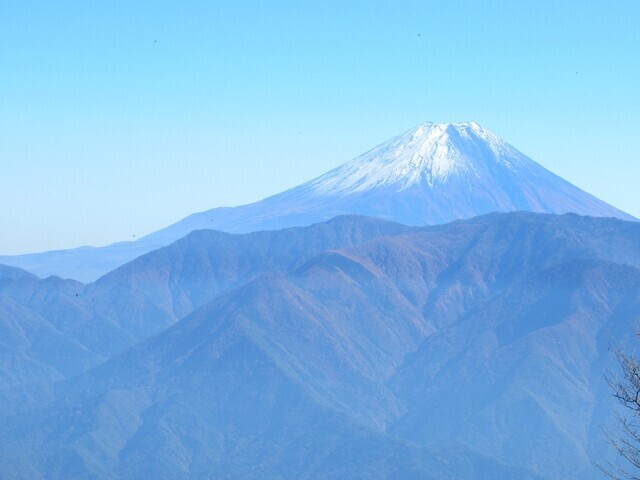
[625, 439]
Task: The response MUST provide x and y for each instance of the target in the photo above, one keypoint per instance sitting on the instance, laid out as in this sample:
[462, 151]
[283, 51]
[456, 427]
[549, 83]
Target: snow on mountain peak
[431, 153]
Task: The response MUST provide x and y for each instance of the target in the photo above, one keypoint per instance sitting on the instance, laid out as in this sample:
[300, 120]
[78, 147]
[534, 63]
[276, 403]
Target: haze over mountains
[355, 349]
[432, 174]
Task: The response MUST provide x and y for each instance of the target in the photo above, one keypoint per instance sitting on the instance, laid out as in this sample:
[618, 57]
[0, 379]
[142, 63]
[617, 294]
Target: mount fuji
[434, 173]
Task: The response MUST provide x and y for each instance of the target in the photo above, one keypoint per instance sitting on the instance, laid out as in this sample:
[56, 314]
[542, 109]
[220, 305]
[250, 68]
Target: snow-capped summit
[430, 154]
[433, 173]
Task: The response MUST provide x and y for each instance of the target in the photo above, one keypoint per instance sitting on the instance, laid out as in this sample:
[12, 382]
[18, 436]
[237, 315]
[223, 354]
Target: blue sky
[119, 118]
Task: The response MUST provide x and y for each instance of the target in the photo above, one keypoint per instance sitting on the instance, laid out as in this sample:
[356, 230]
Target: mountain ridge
[475, 337]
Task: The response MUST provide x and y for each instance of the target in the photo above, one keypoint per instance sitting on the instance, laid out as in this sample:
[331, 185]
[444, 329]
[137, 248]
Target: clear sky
[120, 117]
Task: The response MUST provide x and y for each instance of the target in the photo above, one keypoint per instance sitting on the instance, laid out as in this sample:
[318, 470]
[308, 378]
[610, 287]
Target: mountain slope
[52, 328]
[155, 290]
[432, 174]
[41, 335]
[470, 350]
[89, 323]
[522, 378]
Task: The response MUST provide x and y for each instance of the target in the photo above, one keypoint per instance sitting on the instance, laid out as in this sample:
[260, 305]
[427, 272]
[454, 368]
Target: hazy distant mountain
[432, 174]
[42, 335]
[470, 350]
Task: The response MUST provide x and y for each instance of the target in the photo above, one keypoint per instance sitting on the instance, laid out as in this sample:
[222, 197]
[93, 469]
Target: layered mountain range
[352, 349]
[285, 339]
[431, 174]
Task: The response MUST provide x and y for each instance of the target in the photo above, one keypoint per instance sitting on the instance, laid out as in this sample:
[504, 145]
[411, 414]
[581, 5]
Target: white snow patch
[431, 153]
